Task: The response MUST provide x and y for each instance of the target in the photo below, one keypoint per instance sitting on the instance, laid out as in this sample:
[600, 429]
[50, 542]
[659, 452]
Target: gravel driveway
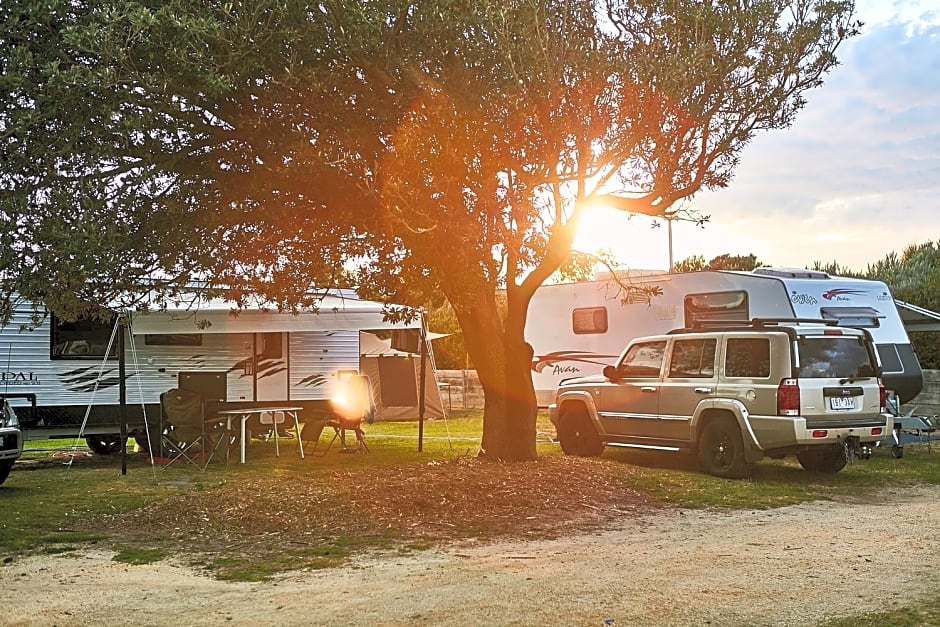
[795, 565]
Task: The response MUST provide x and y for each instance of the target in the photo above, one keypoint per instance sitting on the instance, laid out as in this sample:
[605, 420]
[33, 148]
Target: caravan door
[270, 367]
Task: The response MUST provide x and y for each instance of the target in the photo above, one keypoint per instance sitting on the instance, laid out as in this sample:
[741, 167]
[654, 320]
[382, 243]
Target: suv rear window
[834, 356]
[748, 357]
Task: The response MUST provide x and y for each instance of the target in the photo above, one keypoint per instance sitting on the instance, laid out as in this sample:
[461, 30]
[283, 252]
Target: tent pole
[423, 348]
[122, 392]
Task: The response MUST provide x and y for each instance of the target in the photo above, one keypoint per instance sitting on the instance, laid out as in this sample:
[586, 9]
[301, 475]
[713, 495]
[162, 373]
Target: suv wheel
[577, 435]
[824, 459]
[721, 449]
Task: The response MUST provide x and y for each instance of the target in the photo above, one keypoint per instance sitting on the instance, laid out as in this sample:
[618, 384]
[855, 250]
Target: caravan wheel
[104, 444]
[823, 459]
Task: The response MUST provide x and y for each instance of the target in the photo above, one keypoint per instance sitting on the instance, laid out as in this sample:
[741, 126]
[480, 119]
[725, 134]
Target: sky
[855, 178]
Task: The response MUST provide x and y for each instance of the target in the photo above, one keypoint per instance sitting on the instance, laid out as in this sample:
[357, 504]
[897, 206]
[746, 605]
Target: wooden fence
[460, 389]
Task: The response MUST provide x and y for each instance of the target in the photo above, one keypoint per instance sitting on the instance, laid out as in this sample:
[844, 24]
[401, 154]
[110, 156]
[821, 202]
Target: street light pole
[669, 235]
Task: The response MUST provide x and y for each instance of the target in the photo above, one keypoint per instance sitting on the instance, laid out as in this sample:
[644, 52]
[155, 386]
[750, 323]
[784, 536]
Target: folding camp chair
[339, 432]
[314, 424]
[184, 434]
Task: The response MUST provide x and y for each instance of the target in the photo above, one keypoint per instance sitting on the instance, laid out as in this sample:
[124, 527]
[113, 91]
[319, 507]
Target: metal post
[122, 392]
[669, 231]
[423, 349]
[464, 387]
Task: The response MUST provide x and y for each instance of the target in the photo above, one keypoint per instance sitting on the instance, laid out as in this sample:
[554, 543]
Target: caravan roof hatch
[867, 317]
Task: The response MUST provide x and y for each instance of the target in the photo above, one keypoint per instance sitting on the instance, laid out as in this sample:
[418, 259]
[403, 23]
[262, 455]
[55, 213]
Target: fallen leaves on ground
[433, 502]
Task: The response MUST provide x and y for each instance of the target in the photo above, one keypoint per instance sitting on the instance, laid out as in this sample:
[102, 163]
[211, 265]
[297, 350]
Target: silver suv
[734, 392]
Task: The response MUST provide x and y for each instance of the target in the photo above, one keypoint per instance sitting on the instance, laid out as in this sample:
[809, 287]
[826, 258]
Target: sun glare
[634, 241]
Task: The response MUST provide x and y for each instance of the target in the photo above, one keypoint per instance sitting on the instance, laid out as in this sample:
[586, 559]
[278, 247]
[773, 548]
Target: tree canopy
[914, 277]
[447, 148]
[724, 261]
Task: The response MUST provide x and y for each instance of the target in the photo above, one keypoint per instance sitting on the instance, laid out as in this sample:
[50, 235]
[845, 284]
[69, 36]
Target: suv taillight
[882, 396]
[788, 398]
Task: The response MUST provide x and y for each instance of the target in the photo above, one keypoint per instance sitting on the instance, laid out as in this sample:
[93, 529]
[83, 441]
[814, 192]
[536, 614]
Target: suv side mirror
[611, 372]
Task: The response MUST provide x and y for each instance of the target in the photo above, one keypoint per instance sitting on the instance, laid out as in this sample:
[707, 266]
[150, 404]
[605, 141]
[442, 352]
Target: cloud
[913, 13]
[858, 174]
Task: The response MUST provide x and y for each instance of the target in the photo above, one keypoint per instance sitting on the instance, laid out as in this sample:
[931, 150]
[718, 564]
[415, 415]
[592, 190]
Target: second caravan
[63, 378]
[575, 329]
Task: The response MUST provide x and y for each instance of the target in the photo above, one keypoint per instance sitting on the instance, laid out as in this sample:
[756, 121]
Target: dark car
[11, 440]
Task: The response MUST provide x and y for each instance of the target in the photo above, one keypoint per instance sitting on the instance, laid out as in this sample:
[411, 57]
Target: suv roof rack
[753, 323]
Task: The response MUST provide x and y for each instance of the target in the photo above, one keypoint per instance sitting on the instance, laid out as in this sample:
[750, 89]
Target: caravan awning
[335, 314]
[917, 318]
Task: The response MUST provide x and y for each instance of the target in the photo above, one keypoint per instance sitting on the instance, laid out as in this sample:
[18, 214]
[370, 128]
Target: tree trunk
[503, 361]
[510, 408]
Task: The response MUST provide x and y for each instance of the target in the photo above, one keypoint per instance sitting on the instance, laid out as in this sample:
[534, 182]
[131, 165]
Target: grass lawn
[46, 491]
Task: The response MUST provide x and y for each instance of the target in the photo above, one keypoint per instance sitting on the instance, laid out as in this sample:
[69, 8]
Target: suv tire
[721, 449]
[823, 459]
[577, 435]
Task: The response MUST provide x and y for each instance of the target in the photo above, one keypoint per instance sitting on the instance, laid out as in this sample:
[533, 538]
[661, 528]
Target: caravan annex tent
[918, 318]
[395, 377]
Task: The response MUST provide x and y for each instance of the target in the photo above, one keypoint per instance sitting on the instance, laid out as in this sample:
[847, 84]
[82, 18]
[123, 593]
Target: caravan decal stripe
[551, 359]
[271, 372]
[88, 376]
[841, 291]
[313, 381]
[88, 385]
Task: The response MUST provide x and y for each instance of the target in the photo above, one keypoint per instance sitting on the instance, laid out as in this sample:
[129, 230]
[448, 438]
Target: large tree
[448, 147]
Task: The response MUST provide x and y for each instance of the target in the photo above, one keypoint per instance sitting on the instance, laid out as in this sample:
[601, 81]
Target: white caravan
[575, 329]
[55, 372]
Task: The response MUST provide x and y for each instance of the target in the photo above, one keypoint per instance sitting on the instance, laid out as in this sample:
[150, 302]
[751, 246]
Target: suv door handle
[647, 388]
[703, 390]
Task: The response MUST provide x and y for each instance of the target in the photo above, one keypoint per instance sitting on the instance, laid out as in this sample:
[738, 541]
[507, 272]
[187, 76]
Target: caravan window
[173, 339]
[715, 306]
[589, 320]
[86, 338]
[270, 346]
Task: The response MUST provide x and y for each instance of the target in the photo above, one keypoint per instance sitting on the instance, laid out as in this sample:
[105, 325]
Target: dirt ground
[584, 552]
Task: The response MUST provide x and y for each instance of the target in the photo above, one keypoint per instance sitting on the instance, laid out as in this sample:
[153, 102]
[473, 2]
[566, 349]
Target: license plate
[841, 402]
